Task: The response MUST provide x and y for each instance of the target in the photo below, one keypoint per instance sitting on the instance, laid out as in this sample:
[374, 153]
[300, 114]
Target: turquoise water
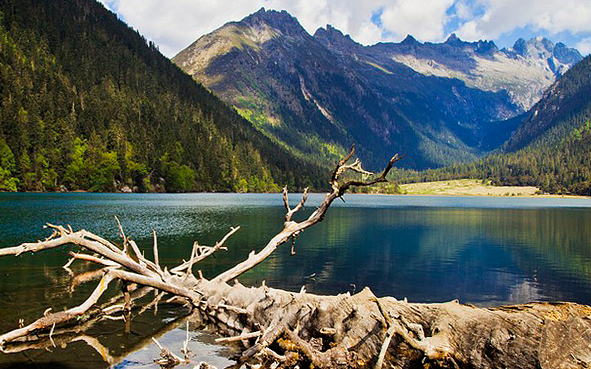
[480, 250]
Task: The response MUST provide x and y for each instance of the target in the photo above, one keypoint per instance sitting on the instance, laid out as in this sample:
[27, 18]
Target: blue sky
[174, 24]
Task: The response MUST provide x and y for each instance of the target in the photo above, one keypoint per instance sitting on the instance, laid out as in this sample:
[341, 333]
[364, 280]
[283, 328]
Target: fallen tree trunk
[283, 329]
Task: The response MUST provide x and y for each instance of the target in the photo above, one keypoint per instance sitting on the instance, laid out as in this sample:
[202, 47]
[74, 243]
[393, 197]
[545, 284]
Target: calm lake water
[480, 250]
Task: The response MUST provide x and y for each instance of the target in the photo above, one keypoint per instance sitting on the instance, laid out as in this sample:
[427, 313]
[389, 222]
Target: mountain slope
[551, 149]
[315, 98]
[525, 71]
[565, 106]
[86, 103]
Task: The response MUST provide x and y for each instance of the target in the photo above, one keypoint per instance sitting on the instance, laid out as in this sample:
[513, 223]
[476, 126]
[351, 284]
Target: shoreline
[474, 187]
[447, 188]
[548, 196]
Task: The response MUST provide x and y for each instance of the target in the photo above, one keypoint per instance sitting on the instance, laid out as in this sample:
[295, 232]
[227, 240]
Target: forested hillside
[565, 106]
[87, 104]
[553, 144]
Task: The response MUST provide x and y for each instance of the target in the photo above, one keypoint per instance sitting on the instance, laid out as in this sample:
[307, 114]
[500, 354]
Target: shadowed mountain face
[318, 94]
[563, 112]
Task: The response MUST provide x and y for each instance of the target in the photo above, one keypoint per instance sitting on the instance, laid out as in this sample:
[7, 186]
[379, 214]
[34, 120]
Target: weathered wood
[50, 320]
[241, 337]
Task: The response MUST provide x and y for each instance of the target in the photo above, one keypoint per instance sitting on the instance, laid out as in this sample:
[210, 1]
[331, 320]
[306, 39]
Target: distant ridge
[550, 148]
[524, 70]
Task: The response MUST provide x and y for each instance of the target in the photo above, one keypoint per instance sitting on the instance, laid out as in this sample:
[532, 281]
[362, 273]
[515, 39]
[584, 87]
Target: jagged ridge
[317, 94]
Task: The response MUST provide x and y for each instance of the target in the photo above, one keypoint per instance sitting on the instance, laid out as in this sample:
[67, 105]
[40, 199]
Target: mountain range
[316, 94]
[87, 103]
[525, 70]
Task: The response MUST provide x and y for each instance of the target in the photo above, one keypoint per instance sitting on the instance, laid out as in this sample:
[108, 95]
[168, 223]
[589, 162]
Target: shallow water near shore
[480, 250]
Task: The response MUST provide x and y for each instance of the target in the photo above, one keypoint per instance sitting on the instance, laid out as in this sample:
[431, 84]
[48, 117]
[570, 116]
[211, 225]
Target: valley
[317, 94]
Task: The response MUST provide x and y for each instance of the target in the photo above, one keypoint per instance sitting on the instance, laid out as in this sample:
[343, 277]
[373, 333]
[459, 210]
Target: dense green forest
[561, 169]
[86, 103]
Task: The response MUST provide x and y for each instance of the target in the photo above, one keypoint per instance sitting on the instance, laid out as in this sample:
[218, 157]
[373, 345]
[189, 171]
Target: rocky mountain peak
[454, 40]
[566, 54]
[535, 48]
[539, 49]
[409, 41]
[485, 47]
[280, 21]
[334, 39]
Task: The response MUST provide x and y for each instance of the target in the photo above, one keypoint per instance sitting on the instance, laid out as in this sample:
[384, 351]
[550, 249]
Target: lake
[480, 250]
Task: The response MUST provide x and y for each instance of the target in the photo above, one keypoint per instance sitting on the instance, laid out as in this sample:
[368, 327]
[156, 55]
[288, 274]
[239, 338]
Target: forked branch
[292, 229]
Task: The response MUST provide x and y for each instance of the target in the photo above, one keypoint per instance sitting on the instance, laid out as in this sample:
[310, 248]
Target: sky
[175, 24]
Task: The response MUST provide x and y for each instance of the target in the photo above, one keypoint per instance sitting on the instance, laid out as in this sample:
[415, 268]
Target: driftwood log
[278, 328]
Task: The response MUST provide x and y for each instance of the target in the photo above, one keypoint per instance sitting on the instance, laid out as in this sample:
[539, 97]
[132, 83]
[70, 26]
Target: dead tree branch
[292, 228]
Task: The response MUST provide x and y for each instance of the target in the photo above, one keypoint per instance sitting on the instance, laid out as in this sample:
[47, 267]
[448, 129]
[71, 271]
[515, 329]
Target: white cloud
[503, 16]
[424, 19]
[463, 10]
[174, 24]
[584, 46]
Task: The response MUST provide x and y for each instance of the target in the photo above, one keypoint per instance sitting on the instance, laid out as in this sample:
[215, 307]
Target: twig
[51, 335]
[291, 212]
[156, 257]
[244, 336]
[169, 359]
[206, 251]
[185, 349]
[91, 258]
[122, 235]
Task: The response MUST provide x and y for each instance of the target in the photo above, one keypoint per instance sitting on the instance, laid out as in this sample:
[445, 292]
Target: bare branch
[205, 251]
[241, 337]
[291, 212]
[156, 256]
[382, 178]
[59, 317]
[122, 235]
[285, 199]
[293, 229]
[336, 173]
[91, 258]
[94, 237]
[155, 282]
[143, 261]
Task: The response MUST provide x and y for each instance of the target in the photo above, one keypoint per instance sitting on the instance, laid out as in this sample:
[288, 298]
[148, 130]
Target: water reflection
[485, 251]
